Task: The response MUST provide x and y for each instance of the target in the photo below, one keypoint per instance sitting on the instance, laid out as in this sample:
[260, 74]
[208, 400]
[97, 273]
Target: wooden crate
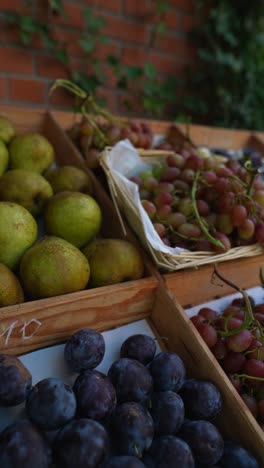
[199, 134]
[166, 319]
[133, 297]
[192, 288]
[195, 285]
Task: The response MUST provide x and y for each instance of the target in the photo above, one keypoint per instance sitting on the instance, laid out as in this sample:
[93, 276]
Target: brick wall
[27, 73]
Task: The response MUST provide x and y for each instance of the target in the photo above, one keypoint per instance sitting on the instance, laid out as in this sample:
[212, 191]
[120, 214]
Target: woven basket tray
[166, 258]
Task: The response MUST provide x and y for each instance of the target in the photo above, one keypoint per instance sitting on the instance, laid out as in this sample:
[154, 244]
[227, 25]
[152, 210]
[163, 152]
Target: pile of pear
[50, 226]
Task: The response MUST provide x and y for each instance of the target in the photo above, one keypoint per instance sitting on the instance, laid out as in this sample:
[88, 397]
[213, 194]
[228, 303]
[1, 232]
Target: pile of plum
[144, 412]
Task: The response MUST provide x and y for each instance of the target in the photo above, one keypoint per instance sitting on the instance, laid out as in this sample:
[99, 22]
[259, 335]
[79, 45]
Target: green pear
[18, 232]
[113, 261]
[31, 151]
[27, 188]
[69, 178]
[7, 131]
[11, 291]
[53, 266]
[74, 216]
[4, 157]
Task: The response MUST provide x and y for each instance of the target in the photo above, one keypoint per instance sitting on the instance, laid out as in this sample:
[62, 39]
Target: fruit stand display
[157, 298]
[31, 322]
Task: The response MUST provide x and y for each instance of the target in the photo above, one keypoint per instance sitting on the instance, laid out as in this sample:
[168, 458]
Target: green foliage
[155, 94]
[227, 89]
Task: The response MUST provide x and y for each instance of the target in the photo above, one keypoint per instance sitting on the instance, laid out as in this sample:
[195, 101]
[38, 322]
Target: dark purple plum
[131, 429]
[15, 381]
[123, 461]
[81, 443]
[23, 446]
[168, 371]
[235, 456]
[205, 440]
[140, 347]
[95, 395]
[131, 379]
[202, 399]
[50, 404]
[167, 411]
[84, 350]
[169, 452]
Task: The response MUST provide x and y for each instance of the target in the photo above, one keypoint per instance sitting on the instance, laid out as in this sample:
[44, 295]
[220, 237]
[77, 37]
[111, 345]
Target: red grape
[163, 198]
[236, 382]
[164, 187]
[259, 309]
[219, 350]
[176, 219]
[170, 174]
[239, 342]
[246, 229]
[258, 196]
[233, 362]
[259, 232]
[197, 320]
[186, 206]
[251, 403]
[160, 228]
[188, 175]
[224, 240]
[176, 160]
[203, 207]
[208, 313]
[209, 177]
[189, 230]
[238, 215]
[208, 333]
[254, 367]
[224, 223]
[163, 211]
[149, 207]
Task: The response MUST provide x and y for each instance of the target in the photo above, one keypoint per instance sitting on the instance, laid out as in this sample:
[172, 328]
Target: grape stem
[249, 316]
[201, 224]
[253, 172]
[88, 105]
[252, 377]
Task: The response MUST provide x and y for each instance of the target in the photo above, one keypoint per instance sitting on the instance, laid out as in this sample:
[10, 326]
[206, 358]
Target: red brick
[172, 20]
[177, 46]
[73, 16]
[12, 5]
[15, 60]
[26, 90]
[135, 102]
[111, 5]
[49, 67]
[187, 23]
[109, 96]
[61, 98]
[187, 5]
[133, 56]
[140, 9]
[3, 93]
[125, 30]
[164, 64]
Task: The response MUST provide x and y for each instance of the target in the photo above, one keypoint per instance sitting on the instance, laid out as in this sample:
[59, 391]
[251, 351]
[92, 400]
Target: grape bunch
[93, 135]
[236, 338]
[200, 203]
[145, 412]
